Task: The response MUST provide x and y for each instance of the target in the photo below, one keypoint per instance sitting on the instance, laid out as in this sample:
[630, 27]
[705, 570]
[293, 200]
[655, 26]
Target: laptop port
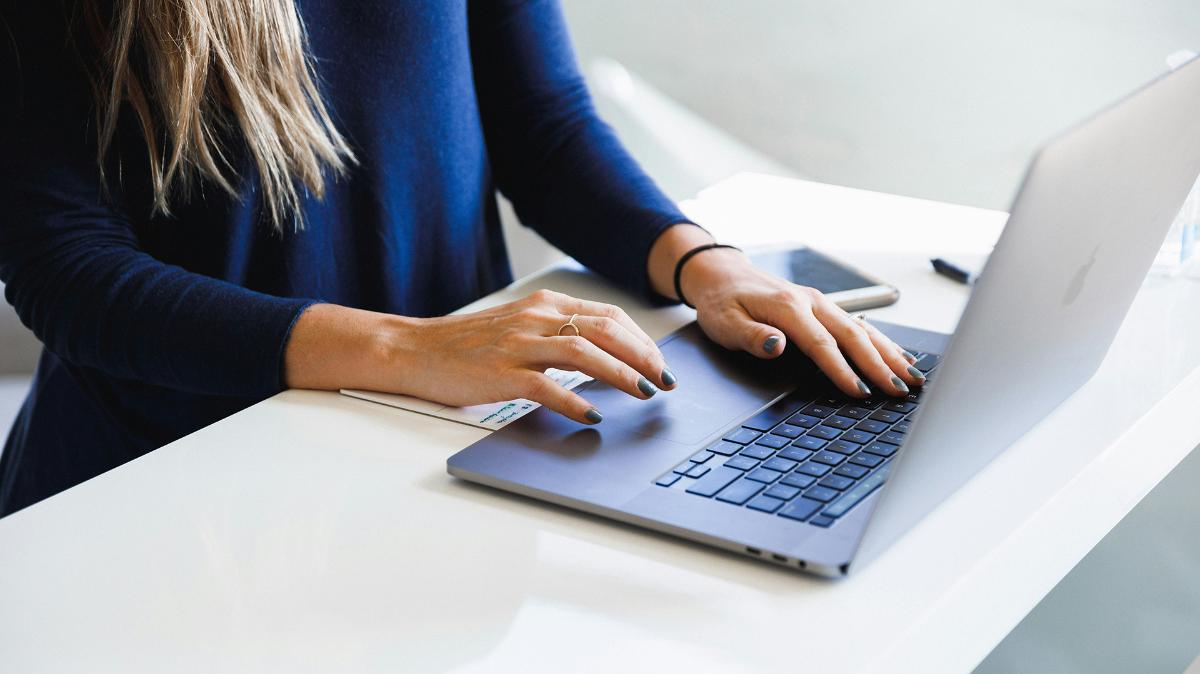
[779, 558]
[754, 551]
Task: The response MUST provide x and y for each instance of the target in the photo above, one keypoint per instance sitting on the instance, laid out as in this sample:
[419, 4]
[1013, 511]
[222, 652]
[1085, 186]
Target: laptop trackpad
[717, 388]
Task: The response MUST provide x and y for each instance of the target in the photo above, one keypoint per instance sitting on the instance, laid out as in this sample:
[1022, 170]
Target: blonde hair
[195, 70]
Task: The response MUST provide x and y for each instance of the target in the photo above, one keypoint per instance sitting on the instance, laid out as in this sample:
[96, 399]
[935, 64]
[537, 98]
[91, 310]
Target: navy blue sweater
[157, 326]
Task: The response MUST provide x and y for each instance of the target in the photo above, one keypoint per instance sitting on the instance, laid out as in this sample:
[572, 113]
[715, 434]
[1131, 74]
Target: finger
[897, 358]
[613, 337]
[567, 305]
[577, 353]
[853, 339]
[590, 308]
[736, 329]
[541, 389]
[813, 339]
[570, 305]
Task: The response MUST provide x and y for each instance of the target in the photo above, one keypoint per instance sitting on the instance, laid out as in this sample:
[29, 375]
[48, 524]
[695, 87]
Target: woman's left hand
[742, 307]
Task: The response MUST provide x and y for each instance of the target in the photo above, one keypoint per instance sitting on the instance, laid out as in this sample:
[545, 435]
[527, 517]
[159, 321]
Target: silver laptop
[766, 459]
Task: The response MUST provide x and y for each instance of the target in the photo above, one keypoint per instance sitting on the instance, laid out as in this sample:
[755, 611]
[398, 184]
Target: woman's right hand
[489, 356]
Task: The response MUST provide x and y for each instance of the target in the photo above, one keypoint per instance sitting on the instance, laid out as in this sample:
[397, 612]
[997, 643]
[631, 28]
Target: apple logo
[1076, 285]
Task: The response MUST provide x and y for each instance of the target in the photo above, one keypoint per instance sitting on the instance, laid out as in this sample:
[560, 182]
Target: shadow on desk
[1131, 605]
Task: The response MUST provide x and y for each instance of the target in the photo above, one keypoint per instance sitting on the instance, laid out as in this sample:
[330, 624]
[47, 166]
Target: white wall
[941, 99]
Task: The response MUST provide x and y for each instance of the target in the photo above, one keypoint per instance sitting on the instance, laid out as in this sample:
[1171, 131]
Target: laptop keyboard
[809, 458]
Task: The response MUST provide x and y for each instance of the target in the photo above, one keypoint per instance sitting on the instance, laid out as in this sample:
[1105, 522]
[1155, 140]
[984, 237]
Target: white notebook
[491, 415]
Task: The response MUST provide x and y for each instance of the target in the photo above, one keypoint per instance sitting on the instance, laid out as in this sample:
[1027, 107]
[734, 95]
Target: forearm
[334, 347]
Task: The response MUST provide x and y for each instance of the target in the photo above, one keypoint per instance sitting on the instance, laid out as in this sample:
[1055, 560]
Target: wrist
[708, 271]
[671, 245]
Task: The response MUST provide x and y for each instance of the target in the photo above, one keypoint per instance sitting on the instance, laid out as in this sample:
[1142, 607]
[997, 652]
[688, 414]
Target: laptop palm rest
[717, 388]
[544, 453]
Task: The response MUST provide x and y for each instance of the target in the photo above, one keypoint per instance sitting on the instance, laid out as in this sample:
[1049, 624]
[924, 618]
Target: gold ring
[570, 324]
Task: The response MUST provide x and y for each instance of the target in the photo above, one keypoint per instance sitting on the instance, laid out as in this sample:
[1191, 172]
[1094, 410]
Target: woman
[211, 200]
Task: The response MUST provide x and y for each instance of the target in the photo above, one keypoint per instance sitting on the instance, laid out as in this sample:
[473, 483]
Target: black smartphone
[851, 289]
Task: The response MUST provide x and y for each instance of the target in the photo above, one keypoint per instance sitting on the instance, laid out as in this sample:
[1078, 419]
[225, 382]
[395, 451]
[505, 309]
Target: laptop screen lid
[1083, 231]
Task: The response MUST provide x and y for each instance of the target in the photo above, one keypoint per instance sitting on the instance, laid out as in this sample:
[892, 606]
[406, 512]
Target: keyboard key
[868, 460]
[838, 482]
[851, 471]
[823, 432]
[782, 490]
[803, 420]
[698, 470]
[901, 427]
[822, 521]
[779, 464]
[832, 402]
[830, 458]
[741, 463]
[764, 503]
[757, 452]
[926, 363]
[715, 481]
[901, 407]
[801, 509]
[786, 431]
[881, 448]
[683, 467]
[739, 492]
[843, 447]
[818, 410]
[795, 454]
[773, 441]
[872, 426]
[814, 469]
[858, 493]
[770, 417]
[764, 475]
[892, 437]
[701, 456]
[857, 436]
[839, 422]
[854, 412]
[809, 442]
[823, 494]
[887, 416]
[667, 480]
[743, 436]
[724, 448]
[798, 480]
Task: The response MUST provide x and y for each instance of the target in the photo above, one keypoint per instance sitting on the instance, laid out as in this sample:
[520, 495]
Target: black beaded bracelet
[689, 255]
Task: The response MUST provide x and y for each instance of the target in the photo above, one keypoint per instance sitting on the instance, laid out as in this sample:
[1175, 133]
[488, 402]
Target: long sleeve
[563, 168]
[70, 257]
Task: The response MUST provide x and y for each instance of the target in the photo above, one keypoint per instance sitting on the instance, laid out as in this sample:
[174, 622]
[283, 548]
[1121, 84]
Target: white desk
[314, 532]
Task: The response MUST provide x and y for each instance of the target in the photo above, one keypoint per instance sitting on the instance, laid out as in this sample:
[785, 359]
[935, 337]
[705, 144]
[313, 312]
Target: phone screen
[807, 267]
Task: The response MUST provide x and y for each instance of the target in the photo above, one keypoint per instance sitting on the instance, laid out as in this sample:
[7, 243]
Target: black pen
[952, 271]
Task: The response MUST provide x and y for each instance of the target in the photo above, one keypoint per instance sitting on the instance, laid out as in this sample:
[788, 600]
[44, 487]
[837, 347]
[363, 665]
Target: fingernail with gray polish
[646, 387]
[920, 376]
[911, 358]
[862, 386]
[771, 343]
[668, 377]
[899, 383]
[593, 415]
